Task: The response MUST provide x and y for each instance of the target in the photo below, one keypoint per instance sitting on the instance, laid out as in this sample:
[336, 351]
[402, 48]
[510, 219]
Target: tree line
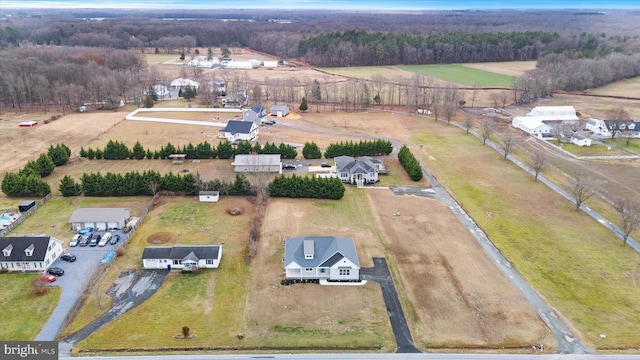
[116, 150]
[410, 164]
[149, 182]
[311, 150]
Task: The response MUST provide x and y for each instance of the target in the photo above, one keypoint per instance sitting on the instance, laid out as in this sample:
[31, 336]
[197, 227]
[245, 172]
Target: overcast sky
[326, 4]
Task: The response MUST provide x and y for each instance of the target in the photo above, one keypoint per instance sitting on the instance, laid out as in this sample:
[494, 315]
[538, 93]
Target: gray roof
[182, 252]
[328, 250]
[99, 214]
[279, 107]
[363, 164]
[238, 127]
[259, 109]
[20, 243]
[256, 159]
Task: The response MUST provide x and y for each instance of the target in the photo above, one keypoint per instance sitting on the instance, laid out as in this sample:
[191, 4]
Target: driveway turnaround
[129, 290]
[380, 274]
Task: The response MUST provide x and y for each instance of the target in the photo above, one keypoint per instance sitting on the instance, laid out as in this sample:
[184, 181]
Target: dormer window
[29, 251]
[7, 251]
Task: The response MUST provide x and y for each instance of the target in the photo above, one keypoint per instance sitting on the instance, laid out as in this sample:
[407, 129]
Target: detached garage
[101, 219]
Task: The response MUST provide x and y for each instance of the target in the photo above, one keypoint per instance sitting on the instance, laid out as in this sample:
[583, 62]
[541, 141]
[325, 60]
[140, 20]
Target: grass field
[575, 263]
[23, 314]
[455, 73]
[462, 75]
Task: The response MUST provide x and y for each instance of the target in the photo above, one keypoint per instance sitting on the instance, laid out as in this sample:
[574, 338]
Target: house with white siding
[29, 253]
[363, 170]
[321, 257]
[239, 130]
[184, 257]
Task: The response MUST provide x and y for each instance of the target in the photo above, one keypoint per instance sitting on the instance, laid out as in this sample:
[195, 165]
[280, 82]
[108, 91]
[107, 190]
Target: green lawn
[22, 314]
[460, 74]
[577, 265]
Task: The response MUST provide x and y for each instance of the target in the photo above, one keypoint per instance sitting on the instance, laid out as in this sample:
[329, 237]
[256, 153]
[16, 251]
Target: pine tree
[303, 105]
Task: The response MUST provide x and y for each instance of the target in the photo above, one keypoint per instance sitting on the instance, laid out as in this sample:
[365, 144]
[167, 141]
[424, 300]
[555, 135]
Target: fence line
[24, 215]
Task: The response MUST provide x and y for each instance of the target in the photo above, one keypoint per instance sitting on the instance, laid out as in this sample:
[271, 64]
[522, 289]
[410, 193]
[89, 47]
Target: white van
[105, 239]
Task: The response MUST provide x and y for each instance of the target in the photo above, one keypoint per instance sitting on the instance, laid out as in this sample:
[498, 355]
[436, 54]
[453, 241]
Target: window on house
[322, 271]
[177, 262]
[345, 272]
[209, 261]
[308, 269]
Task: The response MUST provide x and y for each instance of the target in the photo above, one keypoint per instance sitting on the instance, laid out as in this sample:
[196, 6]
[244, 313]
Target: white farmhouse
[29, 253]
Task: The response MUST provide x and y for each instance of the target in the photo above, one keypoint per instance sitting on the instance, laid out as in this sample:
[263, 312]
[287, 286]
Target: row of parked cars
[87, 238]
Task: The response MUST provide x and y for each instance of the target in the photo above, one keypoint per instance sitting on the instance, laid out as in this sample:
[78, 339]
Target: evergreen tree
[225, 150]
[303, 105]
[68, 187]
[138, 151]
[148, 102]
[91, 154]
[224, 51]
[311, 151]
[45, 165]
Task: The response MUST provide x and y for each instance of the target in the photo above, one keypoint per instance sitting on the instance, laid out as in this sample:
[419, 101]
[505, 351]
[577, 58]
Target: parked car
[48, 278]
[115, 239]
[55, 271]
[94, 241]
[325, 165]
[269, 122]
[105, 239]
[74, 240]
[85, 231]
[288, 167]
[68, 257]
[235, 142]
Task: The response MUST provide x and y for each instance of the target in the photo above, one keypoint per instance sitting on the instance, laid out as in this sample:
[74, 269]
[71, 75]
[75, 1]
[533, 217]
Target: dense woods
[67, 58]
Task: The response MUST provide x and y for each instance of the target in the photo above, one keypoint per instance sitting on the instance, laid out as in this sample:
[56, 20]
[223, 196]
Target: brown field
[629, 87]
[513, 68]
[458, 297]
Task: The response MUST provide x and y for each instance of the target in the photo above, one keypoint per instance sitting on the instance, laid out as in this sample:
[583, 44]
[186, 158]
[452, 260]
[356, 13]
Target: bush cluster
[28, 180]
[362, 148]
[287, 282]
[115, 150]
[410, 164]
[306, 187]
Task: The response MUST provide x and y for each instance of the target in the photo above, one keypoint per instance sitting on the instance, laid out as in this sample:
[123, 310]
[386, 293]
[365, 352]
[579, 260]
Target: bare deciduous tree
[538, 162]
[487, 128]
[629, 217]
[617, 117]
[469, 118]
[581, 188]
[507, 143]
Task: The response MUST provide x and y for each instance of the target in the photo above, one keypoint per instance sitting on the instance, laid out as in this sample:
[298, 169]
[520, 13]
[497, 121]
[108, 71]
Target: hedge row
[148, 183]
[306, 187]
[362, 148]
[410, 164]
[116, 150]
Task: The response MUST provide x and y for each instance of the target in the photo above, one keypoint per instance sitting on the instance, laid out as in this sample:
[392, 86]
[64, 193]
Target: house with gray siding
[257, 114]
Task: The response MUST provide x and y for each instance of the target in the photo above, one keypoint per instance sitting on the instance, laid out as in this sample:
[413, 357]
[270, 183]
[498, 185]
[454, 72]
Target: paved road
[369, 356]
[380, 274]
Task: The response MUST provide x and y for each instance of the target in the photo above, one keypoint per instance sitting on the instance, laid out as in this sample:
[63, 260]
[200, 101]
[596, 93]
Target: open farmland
[574, 262]
[462, 75]
[511, 68]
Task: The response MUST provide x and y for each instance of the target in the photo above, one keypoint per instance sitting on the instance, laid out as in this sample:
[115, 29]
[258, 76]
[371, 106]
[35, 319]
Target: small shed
[178, 158]
[279, 110]
[26, 205]
[209, 196]
[31, 123]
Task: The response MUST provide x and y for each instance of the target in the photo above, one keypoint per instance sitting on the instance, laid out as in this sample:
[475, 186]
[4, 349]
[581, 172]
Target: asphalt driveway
[74, 281]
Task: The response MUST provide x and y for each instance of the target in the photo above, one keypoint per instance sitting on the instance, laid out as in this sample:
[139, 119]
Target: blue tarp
[107, 259]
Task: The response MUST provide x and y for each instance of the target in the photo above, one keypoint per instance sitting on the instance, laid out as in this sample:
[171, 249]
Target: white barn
[239, 65]
[271, 64]
[531, 125]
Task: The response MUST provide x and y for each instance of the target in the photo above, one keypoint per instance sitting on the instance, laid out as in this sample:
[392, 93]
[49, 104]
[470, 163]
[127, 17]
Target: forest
[71, 57]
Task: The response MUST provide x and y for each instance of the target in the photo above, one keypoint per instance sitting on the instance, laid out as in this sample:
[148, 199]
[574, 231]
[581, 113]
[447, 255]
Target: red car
[48, 277]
